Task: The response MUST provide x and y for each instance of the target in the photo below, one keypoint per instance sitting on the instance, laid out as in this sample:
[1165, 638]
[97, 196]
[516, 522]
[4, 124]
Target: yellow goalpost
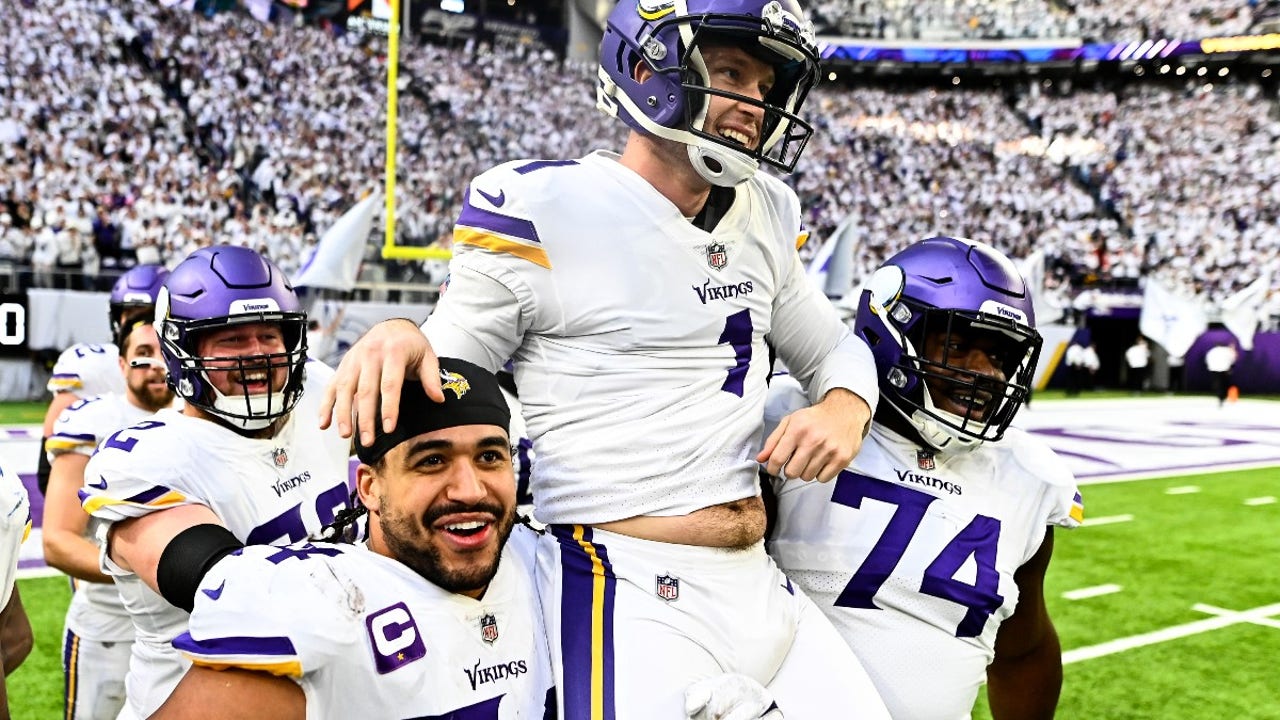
[390, 249]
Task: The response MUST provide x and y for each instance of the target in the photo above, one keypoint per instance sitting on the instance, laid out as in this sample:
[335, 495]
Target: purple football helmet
[972, 293]
[672, 102]
[136, 288]
[220, 287]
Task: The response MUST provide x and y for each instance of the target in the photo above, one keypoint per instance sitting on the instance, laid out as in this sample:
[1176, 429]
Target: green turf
[35, 688]
[1179, 550]
[22, 413]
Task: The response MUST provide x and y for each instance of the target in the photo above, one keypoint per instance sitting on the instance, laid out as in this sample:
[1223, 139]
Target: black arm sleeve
[188, 557]
[43, 469]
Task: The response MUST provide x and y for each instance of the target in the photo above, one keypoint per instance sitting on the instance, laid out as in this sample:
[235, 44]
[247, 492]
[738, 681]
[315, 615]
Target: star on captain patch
[924, 459]
[280, 457]
[717, 256]
[668, 588]
[489, 628]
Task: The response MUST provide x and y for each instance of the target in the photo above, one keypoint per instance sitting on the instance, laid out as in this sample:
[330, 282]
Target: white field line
[1223, 612]
[1183, 490]
[1135, 475]
[37, 572]
[1106, 520]
[1112, 647]
[1265, 500]
[1089, 592]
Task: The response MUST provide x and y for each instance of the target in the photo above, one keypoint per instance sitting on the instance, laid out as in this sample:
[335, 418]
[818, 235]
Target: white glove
[730, 696]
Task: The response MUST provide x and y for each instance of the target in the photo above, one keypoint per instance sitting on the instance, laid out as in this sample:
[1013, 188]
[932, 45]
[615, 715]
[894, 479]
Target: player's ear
[369, 487]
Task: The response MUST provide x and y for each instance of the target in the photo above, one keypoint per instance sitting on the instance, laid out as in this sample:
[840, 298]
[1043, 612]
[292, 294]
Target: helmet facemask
[189, 372]
[932, 365]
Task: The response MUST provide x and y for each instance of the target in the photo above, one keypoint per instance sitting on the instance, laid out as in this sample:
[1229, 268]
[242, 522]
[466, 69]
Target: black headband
[472, 396]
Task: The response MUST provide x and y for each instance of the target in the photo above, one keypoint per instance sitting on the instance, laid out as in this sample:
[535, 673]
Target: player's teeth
[473, 525]
[735, 136]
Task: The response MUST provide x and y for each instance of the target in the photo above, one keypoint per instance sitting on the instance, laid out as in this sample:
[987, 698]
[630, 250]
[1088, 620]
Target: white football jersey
[639, 340]
[15, 524]
[88, 369]
[913, 556]
[266, 491]
[96, 611]
[367, 637]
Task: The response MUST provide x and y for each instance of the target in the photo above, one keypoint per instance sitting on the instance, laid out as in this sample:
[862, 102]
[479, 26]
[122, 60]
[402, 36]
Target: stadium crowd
[142, 133]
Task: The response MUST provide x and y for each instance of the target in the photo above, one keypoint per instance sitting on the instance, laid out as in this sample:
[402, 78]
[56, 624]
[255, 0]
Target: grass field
[1176, 641]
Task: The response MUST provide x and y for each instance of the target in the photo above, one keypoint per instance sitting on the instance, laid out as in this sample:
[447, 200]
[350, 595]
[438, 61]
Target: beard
[413, 545]
[149, 398]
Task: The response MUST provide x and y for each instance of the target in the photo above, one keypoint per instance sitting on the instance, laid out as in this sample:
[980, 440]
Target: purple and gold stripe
[499, 233]
[70, 672]
[64, 381]
[586, 638]
[157, 497]
[1077, 508]
[539, 164]
[275, 655]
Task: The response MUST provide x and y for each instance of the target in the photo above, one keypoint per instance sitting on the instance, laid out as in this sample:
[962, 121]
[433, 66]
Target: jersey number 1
[738, 333]
[979, 539]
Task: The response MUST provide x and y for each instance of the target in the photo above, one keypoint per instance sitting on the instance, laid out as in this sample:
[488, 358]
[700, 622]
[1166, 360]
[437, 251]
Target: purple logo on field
[668, 588]
[394, 637]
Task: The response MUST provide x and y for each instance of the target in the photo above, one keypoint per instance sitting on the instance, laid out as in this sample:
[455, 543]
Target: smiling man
[181, 489]
[929, 552]
[435, 616]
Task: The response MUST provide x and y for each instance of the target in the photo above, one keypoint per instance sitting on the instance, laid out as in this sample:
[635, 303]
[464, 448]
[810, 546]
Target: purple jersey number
[738, 333]
[288, 526]
[979, 539]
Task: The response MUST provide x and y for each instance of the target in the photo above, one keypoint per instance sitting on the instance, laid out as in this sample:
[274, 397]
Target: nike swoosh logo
[495, 200]
[99, 485]
[215, 593]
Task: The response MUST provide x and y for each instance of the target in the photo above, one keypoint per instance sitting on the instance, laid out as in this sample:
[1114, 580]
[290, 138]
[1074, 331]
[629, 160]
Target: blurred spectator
[1177, 373]
[1219, 361]
[1137, 358]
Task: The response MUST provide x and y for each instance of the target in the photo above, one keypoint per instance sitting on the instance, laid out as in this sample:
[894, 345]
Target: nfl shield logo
[668, 588]
[489, 628]
[717, 258]
[280, 457]
[924, 459]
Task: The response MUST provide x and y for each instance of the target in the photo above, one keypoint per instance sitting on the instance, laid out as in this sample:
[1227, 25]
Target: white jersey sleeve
[85, 423]
[15, 525]
[88, 369]
[812, 342]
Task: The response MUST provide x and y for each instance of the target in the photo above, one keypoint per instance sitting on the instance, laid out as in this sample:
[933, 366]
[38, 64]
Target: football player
[87, 370]
[435, 616]
[15, 628]
[234, 466]
[929, 552]
[636, 294]
[99, 634]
